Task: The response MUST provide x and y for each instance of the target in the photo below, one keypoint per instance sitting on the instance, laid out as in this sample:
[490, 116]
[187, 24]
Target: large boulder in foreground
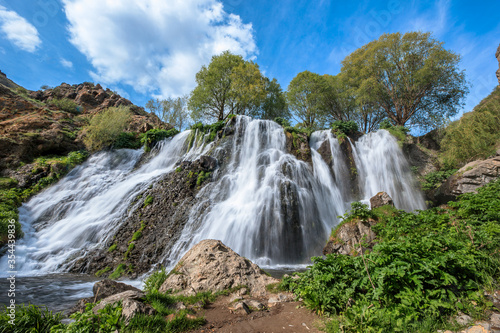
[381, 199]
[469, 178]
[212, 266]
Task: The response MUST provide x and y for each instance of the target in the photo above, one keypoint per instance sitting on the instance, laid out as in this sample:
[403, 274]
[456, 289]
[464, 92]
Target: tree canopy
[411, 77]
[171, 110]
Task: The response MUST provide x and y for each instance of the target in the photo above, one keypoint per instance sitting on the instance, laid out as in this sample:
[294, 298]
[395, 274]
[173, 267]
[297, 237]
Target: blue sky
[153, 48]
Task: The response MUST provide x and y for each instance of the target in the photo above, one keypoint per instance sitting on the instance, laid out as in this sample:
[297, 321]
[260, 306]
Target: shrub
[127, 140]
[105, 128]
[151, 137]
[155, 280]
[434, 179]
[424, 268]
[346, 127]
[65, 104]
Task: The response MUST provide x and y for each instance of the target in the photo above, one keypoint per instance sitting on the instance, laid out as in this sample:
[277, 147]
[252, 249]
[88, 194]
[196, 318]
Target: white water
[264, 203]
[82, 210]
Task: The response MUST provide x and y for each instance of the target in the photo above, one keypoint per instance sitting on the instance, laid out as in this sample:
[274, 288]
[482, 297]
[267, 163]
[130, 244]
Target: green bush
[106, 320]
[127, 140]
[476, 134]
[434, 179]
[424, 268]
[155, 280]
[151, 137]
[106, 127]
[65, 104]
[346, 127]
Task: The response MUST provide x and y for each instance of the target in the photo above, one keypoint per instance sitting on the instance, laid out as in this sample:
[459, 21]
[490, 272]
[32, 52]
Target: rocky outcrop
[352, 237]
[297, 144]
[381, 199]
[212, 266]
[156, 225]
[497, 55]
[422, 152]
[7, 82]
[469, 178]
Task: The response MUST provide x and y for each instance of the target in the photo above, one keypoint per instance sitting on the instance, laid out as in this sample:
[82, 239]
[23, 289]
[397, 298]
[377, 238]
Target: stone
[131, 304]
[212, 266]
[106, 288]
[208, 163]
[495, 321]
[129, 294]
[255, 304]
[497, 55]
[280, 298]
[348, 236]
[469, 178]
[241, 306]
[463, 319]
[381, 199]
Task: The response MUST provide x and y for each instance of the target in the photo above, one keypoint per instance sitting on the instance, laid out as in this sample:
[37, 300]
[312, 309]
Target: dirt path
[283, 317]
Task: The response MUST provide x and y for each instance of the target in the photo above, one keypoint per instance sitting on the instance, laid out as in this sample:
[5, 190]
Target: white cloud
[19, 31]
[66, 63]
[156, 46]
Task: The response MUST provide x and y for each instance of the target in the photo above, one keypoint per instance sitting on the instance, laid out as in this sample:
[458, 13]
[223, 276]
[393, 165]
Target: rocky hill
[49, 122]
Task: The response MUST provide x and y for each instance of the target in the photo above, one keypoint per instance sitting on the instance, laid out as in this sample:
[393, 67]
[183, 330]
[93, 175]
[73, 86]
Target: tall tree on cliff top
[228, 85]
[305, 99]
[412, 77]
[171, 110]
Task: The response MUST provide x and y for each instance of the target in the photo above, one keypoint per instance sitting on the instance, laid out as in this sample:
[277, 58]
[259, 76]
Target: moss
[131, 246]
[178, 169]
[202, 176]
[120, 269]
[6, 183]
[102, 271]
[112, 248]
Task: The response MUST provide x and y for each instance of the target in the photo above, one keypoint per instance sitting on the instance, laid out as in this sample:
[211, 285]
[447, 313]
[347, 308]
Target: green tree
[172, 110]
[274, 104]
[228, 85]
[411, 77]
[305, 99]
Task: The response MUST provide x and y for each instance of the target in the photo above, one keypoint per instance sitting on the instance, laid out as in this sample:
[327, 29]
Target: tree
[171, 110]
[411, 77]
[105, 127]
[274, 104]
[305, 97]
[229, 85]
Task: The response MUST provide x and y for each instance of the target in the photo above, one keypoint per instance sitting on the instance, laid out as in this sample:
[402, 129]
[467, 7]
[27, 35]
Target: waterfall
[263, 202]
[82, 210]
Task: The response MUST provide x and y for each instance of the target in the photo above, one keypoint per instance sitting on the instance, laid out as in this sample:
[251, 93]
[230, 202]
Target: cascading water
[82, 210]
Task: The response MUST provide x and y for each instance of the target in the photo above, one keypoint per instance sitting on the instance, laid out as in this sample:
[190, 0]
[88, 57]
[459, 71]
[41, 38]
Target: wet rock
[208, 163]
[468, 179]
[347, 238]
[297, 144]
[212, 266]
[381, 199]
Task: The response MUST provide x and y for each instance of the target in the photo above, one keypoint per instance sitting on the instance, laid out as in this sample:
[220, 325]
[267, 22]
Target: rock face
[381, 199]
[348, 237]
[297, 144]
[497, 55]
[212, 266]
[160, 223]
[469, 178]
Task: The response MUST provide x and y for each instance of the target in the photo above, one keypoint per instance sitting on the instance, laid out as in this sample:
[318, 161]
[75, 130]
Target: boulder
[348, 236]
[381, 199]
[468, 179]
[131, 304]
[212, 266]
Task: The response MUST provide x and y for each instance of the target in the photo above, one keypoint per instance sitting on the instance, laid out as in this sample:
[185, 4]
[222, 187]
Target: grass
[148, 201]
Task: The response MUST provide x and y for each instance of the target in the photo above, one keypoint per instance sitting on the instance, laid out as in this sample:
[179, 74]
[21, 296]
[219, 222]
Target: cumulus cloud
[19, 31]
[153, 45]
[66, 63]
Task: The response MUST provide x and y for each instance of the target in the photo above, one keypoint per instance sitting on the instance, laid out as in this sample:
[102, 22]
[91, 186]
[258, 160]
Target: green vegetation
[65, 104]
[99, 273]
[106, 320]
[434, 179]
[202, 176]
[131, 246]
[148, 201]
[120, 269]
[151, 137]
[12, 197]
[29, 318]
[423, 269]
[410, 76]
[282, 121]
[476, 134]
[345, 127]
[112, 248]
[128, 140]
[171, 110]
[105, 128]
[155, 280]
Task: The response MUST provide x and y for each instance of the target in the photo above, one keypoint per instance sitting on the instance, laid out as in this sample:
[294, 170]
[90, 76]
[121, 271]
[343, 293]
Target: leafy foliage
[106, 127]
[425, 267]
[476, 134]
[106, 320]
[411, 77]
[346, 127]
[282, 121]
[127, 140]
[434, 179]
[172, 110]
[151, 137]
[29, 318]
